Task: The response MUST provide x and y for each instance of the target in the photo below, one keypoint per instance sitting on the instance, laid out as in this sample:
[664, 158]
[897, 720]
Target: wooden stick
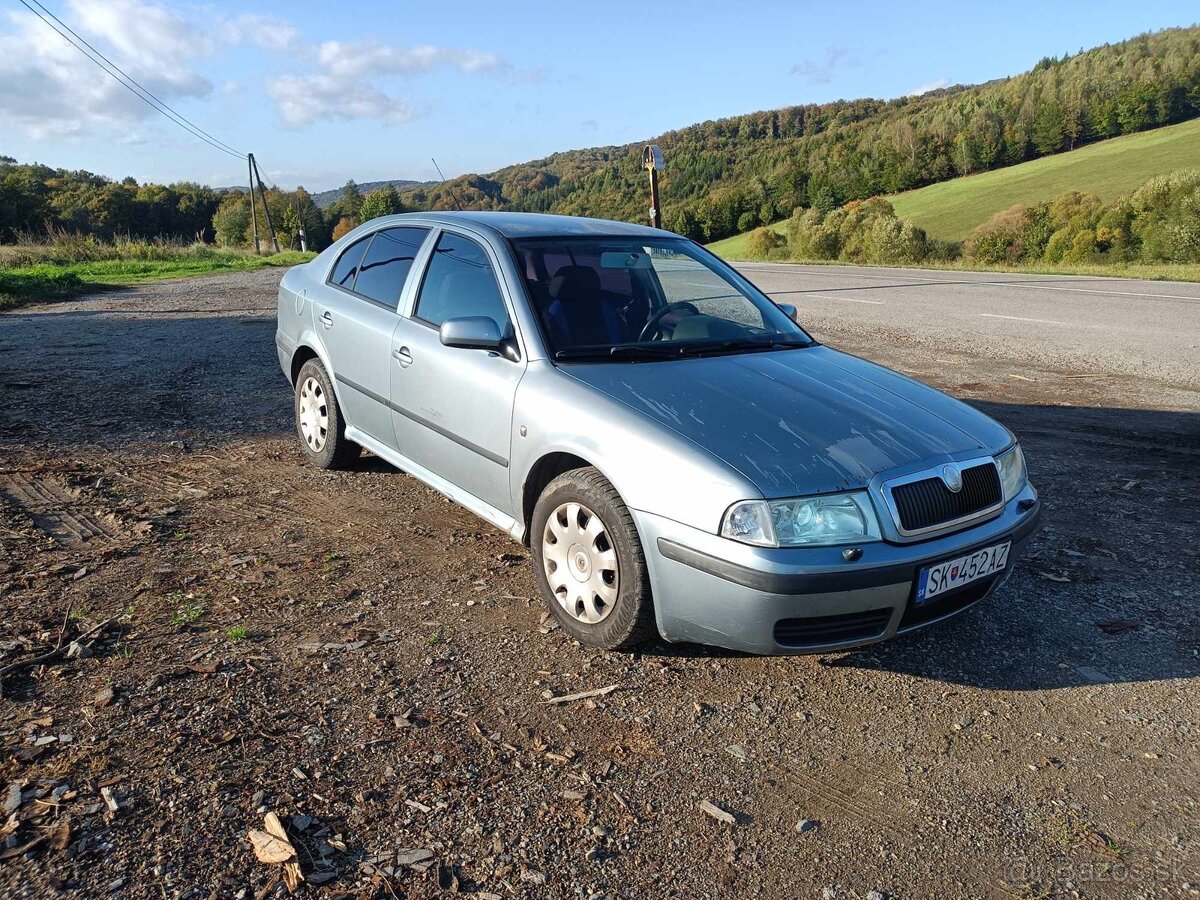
[570, 698]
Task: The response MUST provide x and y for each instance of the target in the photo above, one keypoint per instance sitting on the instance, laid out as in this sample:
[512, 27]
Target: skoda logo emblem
[952, 478]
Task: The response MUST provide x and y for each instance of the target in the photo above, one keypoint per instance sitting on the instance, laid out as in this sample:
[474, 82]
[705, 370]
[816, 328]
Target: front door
[452, 408]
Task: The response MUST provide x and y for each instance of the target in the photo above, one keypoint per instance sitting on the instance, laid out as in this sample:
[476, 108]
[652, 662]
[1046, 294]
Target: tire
[592, 577]
[319, 422]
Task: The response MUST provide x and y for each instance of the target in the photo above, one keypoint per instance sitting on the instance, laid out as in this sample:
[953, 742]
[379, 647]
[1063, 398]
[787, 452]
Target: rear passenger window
[387, 263]
[347, 266]
[459, 282]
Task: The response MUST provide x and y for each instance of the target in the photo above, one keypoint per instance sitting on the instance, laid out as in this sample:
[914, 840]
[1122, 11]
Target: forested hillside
[730, 175]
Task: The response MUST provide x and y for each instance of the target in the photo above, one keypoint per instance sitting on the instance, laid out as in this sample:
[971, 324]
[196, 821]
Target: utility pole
[652, 161]
[262, 195]
[253, 217]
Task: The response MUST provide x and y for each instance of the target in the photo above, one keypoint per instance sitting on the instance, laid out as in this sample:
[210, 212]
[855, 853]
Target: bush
[865, 231]
[763, 242]
[1001, 239]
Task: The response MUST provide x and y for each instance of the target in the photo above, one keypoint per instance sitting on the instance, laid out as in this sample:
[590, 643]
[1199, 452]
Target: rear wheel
[589, 562]
[319, 421]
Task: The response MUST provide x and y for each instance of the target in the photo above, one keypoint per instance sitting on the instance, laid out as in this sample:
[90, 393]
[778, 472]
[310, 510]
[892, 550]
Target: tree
[350, 202]
[382, 202]
[344, 226]
[232, 221]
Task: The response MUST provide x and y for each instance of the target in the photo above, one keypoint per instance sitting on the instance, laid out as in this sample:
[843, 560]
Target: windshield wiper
[736, 345]
[624, 351]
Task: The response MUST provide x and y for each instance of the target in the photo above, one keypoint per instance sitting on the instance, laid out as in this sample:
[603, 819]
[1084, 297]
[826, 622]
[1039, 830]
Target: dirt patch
[368, 661]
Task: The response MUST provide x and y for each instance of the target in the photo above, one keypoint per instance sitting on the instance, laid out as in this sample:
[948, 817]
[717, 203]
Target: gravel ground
[355, 654]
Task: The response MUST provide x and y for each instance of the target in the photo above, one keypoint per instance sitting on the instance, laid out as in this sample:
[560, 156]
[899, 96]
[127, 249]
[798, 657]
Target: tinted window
[387, 263]
[347, 266]
[460, 282]
[599, 293]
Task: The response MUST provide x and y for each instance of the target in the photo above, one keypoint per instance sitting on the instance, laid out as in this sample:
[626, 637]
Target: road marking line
[1023, 319]
[808, 294]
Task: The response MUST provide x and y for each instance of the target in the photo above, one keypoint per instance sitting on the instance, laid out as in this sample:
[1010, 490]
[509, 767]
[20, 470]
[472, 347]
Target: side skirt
[485, 511]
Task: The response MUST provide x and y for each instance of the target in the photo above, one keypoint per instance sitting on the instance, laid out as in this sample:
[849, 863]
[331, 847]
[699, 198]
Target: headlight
[803, 521]
[1012, 471]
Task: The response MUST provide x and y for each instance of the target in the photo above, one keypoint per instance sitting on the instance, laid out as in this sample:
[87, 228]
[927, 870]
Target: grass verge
[46, 281]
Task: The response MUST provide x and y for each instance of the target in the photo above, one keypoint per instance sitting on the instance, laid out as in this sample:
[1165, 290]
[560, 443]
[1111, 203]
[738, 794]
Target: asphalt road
[1144, 331]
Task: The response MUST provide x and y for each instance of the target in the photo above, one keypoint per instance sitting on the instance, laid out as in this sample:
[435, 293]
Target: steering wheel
[654, 324]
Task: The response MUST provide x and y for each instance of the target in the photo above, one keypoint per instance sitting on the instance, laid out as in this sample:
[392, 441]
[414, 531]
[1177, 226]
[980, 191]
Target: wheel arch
[544, 470]
[308, 349]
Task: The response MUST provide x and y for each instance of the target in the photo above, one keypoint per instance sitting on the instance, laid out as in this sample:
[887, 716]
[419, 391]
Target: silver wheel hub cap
[314, 414]
[581, 563]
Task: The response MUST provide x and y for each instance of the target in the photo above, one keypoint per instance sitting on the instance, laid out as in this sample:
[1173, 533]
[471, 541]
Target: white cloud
[51, 89]
[936, 85]
[269, 32]
[343, 58]
[303, 99]
[343, 89]
[822, 69]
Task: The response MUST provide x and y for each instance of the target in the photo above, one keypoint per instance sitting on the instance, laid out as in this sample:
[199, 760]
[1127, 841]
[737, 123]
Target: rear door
[356, 315]
[453, 407]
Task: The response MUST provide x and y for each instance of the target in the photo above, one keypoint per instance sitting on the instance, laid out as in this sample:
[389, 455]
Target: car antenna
[453, 196]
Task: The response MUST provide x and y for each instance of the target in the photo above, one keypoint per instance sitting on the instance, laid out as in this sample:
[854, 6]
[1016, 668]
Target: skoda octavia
[681, 457]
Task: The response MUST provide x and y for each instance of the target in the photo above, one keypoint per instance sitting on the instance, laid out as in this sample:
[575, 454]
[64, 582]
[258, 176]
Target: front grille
[816, 630]
[928, 502]
[944, 606]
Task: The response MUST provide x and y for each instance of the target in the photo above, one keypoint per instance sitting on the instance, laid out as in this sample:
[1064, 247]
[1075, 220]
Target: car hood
[798, 421]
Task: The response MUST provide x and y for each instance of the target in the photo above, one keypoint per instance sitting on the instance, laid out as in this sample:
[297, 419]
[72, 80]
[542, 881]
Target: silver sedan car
[680, 456]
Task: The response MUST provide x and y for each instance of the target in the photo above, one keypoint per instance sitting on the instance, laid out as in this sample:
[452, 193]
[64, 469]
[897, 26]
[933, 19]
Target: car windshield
[636, 298]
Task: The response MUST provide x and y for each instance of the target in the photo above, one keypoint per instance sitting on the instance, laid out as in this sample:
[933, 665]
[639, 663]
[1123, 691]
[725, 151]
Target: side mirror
[789, 311]
[471, 333]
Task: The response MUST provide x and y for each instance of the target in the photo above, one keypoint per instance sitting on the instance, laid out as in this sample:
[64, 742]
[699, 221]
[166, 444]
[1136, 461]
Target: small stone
[806, 825]
[876, 895]
[829, 893]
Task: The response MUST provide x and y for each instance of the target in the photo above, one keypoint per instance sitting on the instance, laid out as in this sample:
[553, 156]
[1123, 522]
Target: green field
[952, 209]
[56, 281]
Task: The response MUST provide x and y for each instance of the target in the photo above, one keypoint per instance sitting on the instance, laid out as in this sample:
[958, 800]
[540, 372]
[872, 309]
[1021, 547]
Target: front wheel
[589, 562]
[319, 421]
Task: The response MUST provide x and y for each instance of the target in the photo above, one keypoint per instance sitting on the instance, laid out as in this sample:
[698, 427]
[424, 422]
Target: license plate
[954, 573]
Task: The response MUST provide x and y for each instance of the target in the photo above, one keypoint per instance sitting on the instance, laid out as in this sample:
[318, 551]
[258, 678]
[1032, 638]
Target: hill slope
[731, 175]
[952, 209]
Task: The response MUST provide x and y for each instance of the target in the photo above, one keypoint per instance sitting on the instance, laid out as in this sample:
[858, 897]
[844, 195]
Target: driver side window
[460, 282]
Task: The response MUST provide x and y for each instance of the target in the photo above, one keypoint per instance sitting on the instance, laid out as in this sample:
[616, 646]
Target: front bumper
[810, 600]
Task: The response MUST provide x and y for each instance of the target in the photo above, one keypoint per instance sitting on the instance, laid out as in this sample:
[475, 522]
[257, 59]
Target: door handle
[403, 357]
[327, 319]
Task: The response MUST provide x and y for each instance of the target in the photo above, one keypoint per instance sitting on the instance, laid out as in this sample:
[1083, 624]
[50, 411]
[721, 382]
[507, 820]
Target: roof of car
[522, 225]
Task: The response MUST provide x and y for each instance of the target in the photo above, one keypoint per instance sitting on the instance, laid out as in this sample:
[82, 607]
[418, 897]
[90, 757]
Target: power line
[126, 81]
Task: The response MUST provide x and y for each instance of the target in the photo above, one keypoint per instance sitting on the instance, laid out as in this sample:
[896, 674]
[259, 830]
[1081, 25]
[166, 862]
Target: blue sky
[322, 92]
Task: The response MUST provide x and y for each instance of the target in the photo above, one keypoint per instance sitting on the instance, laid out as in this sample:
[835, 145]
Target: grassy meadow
[65, 266]
[951, 210]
